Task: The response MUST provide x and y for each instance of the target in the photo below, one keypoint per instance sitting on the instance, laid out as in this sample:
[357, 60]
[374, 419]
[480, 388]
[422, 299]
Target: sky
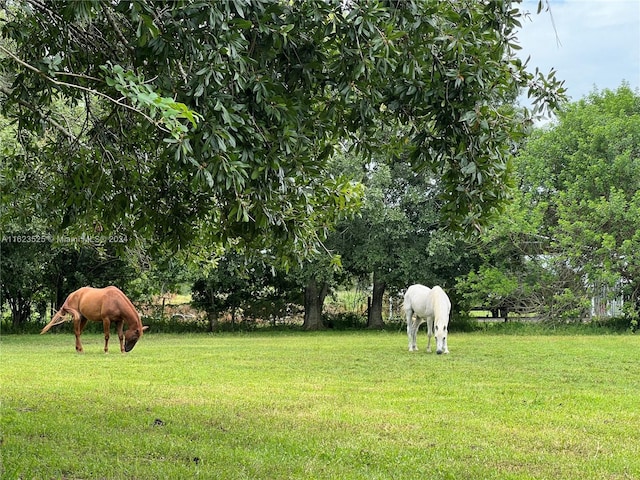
[595, 43]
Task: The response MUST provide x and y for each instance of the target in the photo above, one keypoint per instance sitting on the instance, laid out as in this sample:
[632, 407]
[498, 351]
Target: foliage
[573, 230]
[255, 291]
[21, 288]
[350, 405]
[590, 195]
[399, 237]
[39, 266]
[35, 271]
[210, 123]
[517, 273]
[376, 239]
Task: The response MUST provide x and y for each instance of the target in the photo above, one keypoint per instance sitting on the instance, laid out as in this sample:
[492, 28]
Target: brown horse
[101, 304]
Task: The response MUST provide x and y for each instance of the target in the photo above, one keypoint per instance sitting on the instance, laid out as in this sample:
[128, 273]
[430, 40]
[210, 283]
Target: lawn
[329, 405]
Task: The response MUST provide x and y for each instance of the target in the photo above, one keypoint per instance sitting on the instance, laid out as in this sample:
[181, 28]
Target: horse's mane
[133, 313]
[441, 304]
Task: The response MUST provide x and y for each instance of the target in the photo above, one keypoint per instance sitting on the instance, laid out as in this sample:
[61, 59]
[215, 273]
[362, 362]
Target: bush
[344, 321]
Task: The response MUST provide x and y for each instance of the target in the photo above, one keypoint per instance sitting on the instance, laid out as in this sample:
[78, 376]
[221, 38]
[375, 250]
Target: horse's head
[132, 336]
[441, 338]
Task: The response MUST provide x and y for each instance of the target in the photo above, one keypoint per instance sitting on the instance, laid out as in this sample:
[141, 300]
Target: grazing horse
[433, 306]
[101, 304]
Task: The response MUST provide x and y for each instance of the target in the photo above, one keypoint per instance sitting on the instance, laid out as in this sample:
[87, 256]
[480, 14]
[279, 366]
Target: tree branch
[119, 34]
[61, 128]
[84, 89]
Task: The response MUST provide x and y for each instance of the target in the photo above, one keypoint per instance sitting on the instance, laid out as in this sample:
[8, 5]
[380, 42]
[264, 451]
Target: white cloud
[599, 43]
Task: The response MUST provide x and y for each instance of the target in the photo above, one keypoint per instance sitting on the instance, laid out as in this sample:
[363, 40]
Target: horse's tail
[406, 303]
[57, 319]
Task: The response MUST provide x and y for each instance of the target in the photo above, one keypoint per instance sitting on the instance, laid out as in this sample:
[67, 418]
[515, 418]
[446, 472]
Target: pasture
[328, 405]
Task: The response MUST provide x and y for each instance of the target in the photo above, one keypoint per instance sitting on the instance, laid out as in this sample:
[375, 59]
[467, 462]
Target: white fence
[603, 307]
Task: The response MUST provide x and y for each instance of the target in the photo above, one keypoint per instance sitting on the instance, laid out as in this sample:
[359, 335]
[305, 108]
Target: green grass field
[330, 405]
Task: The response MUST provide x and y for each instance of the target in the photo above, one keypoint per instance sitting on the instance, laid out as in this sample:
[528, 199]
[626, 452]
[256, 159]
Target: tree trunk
[374, 319]
[314, 296]
[213, 320]
[20, 310]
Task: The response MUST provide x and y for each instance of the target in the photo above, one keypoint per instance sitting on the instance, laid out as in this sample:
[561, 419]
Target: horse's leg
[78, 326]
[106, 324]
[411, 331]
[429, 333]
[120, 334]
[444, 343]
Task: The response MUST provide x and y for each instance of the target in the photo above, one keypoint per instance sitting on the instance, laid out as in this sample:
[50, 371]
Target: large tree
[211, 122]
[399, 238]
[255, 290]
[585, 175]
[573, 231]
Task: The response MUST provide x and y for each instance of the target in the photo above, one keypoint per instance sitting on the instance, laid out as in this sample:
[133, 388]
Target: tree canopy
[573, 231]
[585, 176]
[211, 122]
[399, 237]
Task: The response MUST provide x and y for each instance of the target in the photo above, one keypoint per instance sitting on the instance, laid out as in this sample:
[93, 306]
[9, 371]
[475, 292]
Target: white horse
[431, 305]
